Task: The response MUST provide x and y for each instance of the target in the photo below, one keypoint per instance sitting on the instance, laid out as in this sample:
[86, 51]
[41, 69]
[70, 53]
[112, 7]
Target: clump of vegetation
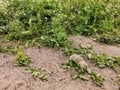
[109, 38]
[69, 50]
[50, 21]
[73, 65]
[22, 59]
[80, 72]
[36, 72]
[95, 77]
[102, 60]
[8, 49]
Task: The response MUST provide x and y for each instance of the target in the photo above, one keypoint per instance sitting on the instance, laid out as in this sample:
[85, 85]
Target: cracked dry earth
[14, 78]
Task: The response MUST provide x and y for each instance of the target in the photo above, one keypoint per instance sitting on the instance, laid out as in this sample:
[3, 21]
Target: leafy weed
[80, 73]
[22, 59]
[36, 72]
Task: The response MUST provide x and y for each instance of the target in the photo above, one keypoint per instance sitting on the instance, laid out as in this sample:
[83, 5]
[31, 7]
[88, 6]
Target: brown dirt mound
[97, 47]
[14, 78]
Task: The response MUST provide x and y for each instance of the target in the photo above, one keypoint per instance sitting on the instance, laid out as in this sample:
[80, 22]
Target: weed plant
[103, 61]
[80, 72]
[22, 59]
[36, 72]
[50, 21]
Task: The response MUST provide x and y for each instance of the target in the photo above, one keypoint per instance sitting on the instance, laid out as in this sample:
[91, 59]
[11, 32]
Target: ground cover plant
[8, 49]
[23, 60]
[36, 72]
[50, 21]
[104, 61]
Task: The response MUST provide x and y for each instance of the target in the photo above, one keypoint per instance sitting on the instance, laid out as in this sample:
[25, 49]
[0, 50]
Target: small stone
[80, 60]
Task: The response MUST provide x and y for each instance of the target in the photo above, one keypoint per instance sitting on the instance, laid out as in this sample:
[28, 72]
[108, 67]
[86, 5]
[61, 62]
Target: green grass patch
[50, 21]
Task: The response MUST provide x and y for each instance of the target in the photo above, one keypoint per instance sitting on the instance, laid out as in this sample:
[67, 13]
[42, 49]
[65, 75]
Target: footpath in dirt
[14, 78]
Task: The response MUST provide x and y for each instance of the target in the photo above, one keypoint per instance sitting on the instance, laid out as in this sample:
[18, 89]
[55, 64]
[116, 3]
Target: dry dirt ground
[14, 78]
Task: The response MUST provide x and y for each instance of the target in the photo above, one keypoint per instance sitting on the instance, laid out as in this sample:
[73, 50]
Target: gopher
[80, 60]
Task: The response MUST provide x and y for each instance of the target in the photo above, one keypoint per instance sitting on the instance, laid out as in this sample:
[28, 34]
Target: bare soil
[14, 78]
[110, 50]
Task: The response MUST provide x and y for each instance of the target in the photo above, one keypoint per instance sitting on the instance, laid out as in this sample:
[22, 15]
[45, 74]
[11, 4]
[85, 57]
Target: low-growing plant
[80, 72]
[116, 60]
[69, 50]
[8, 49]
[73, 65]
[95, 77]
[22, 59]
[103, 61]
[119, 78]
[36, 72]
[112, 38]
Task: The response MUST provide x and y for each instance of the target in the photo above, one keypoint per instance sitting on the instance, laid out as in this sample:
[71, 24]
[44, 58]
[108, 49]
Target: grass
[8, 49]
[112, 38]
[50, 21]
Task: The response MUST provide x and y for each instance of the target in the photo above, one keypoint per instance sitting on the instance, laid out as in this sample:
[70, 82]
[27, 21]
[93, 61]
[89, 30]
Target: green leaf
[89, 55]
[75, 76]
[42, 76]
[83, 77]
